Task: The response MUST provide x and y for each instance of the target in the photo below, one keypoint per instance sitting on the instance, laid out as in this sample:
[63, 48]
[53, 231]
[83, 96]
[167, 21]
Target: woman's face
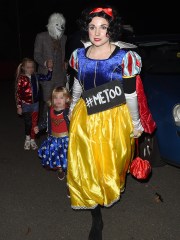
[97, 30]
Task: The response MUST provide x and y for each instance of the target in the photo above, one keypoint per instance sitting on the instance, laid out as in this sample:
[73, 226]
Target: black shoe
[96, 233]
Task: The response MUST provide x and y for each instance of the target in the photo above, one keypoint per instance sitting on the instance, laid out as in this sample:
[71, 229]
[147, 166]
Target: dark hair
[115, 27]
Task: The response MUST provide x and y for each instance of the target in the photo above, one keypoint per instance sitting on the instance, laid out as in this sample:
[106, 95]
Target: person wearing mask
[50, 46]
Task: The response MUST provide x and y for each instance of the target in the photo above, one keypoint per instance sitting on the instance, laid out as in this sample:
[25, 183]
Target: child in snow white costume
[101, 145]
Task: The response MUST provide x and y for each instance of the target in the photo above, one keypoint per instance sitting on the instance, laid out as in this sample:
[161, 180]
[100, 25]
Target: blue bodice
[93, 72]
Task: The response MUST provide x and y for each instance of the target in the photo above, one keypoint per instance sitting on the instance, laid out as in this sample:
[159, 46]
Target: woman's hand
[136, 133]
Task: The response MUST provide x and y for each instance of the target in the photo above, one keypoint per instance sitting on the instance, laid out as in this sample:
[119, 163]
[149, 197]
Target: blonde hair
[57, 90]
[20, 69]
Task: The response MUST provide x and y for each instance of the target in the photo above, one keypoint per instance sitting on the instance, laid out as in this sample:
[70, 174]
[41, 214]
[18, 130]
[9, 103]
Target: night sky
[21, 20]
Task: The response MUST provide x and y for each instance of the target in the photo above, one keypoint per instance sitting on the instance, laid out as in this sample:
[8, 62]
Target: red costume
[27, 98]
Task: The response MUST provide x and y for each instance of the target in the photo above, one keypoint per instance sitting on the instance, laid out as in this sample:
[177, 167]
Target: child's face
[59, 101]
[29, 68]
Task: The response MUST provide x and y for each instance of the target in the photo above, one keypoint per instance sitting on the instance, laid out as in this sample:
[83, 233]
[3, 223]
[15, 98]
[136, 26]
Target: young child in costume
[27, 97]
[101, 143]
[53, 151]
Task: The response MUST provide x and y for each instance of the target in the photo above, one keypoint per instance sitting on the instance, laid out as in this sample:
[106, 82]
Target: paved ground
[34, 206]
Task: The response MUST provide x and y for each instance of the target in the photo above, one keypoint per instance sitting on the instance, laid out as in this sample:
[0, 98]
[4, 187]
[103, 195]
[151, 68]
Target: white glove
[132, 103]
[76, 94]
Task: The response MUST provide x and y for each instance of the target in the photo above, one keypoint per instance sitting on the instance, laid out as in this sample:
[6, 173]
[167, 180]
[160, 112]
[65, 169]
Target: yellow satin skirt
[99, 153]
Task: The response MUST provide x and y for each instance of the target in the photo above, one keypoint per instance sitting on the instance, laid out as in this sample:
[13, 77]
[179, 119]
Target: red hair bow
[108, 11]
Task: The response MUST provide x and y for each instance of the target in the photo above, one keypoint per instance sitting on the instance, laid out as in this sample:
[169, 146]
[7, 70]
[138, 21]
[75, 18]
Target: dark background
[21, 20]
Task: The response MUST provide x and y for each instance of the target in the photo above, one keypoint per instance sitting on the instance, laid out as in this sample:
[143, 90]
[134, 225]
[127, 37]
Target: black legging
[97, 224]
[30, 121]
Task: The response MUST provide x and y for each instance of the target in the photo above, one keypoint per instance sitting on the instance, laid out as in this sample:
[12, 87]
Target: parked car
[161, 79]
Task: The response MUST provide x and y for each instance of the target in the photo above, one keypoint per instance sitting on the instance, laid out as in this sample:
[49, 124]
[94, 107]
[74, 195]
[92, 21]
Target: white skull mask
[56, 25]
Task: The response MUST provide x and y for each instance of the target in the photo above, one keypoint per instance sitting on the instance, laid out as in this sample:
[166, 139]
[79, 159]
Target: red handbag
[139, 167]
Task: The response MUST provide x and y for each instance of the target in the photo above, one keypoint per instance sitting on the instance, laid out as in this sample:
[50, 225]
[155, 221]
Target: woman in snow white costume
[101, 145]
